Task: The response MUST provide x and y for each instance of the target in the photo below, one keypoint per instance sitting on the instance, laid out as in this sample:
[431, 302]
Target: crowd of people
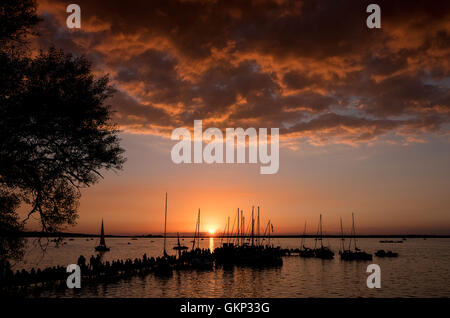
[95, 269]
[98, 270]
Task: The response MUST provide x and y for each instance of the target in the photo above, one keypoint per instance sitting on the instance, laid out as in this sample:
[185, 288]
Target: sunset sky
[364, 114]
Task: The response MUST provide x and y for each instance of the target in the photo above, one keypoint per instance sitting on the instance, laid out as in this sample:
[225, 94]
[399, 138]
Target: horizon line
[208, 235]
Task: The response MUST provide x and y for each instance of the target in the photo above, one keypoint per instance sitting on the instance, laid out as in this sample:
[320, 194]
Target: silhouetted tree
[16, 21]
[11, 244]
[56, 133]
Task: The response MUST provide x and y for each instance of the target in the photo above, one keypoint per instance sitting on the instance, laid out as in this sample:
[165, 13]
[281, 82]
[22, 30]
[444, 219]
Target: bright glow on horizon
[212, 231]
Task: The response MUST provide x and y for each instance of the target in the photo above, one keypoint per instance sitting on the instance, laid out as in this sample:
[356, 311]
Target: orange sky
[390, 189]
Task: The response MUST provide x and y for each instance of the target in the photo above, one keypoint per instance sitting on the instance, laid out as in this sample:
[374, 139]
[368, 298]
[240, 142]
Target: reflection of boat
[356, 254]
[102, 246]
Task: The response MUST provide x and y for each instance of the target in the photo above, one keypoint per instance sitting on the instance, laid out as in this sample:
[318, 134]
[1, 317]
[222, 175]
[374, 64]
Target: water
[421, 270]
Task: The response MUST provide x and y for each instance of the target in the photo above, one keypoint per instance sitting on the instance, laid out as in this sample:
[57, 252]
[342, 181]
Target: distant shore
[206, 235]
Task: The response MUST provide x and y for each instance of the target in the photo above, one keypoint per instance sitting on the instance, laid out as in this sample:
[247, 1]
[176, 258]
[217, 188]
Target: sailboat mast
[354, 231]
[195, 231]
[317, 236]
[342, 236]
[165, 224]
[242, 227]
[257, 240]
[303, 237]
[102, 236]
[228, 230]
[238, 221]
[253, 226]
[321, 233]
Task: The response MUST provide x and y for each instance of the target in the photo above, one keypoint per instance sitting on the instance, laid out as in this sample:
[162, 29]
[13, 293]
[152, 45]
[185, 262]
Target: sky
[363, 114]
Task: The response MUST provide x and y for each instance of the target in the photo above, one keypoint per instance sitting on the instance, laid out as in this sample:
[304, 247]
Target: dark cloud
[311, 68]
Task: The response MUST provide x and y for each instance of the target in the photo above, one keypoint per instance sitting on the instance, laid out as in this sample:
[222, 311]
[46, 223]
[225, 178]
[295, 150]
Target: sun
[212, 231]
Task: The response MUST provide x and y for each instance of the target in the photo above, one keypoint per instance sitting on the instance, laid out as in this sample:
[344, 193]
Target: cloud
[311, 68]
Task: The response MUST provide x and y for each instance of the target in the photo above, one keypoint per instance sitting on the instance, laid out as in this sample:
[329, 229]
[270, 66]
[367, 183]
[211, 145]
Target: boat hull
[356, 256]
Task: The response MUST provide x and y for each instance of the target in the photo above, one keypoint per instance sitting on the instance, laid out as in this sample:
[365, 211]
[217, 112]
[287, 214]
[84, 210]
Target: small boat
[305, 252]
[383, 253]
[390, 241]
[322, 252]
[102, 246]
[356, 254]
[179, 247]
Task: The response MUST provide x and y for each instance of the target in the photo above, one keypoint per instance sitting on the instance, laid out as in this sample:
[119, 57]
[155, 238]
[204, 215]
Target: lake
[421, 270]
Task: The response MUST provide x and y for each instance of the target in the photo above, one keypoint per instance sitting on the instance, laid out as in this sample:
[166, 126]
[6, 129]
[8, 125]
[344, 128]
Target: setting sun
[212, 231]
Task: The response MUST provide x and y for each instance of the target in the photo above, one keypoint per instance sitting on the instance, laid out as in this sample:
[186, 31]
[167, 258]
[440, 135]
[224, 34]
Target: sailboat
[196, 240]
[356, 254]
[322, 252]
[163, 267]
[305, 251]
[102, 246]
[199, 260]
[165, 227]
[179, 247]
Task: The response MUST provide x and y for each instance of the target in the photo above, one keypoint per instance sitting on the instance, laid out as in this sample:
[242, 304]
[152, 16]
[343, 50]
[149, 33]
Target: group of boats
[245, 245]
[347, 253]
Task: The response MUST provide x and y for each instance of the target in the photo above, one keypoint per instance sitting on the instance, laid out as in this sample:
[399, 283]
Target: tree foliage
[56, 133]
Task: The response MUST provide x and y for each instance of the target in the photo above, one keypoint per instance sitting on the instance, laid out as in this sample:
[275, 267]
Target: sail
[102, 236]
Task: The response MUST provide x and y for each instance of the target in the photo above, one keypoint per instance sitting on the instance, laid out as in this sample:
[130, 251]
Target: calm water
[421, 270]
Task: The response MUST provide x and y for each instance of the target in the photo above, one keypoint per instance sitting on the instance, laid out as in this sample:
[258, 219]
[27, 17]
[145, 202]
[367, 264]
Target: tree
[17, 18]
[56, 133]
